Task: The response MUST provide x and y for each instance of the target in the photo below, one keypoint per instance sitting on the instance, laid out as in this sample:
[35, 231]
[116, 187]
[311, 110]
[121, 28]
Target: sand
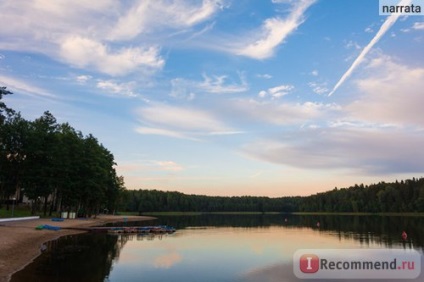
[20, 242]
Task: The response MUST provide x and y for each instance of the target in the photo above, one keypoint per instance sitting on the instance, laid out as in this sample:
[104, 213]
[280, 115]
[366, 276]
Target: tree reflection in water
[90, 257]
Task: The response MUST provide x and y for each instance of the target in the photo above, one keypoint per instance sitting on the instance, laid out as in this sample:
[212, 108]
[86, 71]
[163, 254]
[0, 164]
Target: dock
[160, 229]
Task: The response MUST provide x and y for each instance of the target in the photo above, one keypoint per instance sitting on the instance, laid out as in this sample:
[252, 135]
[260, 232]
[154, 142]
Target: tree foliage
[55, 166]
[404, 196]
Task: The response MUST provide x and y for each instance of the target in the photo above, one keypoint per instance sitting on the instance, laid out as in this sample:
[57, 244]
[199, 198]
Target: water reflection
[74, 258]
[216, 248]
[368, 230]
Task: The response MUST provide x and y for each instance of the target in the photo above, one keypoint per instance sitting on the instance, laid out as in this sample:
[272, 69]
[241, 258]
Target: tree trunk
[45, 205]
[53, 203]
[33, 204]
[59, 203]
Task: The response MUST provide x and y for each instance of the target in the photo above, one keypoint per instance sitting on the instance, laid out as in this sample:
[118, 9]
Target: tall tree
[40, 166]
[13, 155]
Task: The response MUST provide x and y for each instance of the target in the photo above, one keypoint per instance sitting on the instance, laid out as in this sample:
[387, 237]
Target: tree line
[403, 196]
[54, 165]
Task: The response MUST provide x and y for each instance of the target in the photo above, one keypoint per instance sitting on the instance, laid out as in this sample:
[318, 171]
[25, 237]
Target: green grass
[21, 211]
[17, 212]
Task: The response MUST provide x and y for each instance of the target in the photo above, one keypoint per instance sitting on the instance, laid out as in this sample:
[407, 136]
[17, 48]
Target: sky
[225, 97]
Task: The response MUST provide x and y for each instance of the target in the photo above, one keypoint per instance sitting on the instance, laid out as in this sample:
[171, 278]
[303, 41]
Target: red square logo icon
[309, 263]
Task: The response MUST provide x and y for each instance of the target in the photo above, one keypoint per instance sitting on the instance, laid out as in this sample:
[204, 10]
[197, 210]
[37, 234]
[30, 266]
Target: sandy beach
[20, 242]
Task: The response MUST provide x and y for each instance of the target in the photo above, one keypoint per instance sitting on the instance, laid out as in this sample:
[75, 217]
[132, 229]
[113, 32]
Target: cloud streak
[383, 29]
[15, 84]
[118, 89]
[277, 92]
[154, 15]
[180, 122]
[360, 150]
[272, 33]
[216, 84]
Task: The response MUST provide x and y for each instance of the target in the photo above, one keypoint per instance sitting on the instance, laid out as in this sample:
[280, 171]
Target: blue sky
[221, 97]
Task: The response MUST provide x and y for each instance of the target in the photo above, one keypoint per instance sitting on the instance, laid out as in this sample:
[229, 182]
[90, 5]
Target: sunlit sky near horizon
[217, 97]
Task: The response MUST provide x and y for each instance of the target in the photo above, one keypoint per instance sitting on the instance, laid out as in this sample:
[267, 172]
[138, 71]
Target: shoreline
[171, 213]
[20, 242]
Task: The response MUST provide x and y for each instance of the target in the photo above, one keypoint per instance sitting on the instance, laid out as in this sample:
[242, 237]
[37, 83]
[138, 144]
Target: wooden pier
[132, 229]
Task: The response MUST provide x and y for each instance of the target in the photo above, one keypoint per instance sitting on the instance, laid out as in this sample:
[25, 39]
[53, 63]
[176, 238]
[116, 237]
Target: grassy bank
[14, 212]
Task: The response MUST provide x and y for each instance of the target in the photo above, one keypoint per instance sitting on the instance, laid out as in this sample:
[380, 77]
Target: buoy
[404, 235]
[318, 224]
[285, 220]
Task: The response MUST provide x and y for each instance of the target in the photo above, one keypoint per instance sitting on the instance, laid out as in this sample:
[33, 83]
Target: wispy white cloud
[16, 84]
[352, 44]
[164, 132]
[82, 52]
[369, 30]
[363, 151]
[169, 165]
[418, 26]
[285, 113]
[152, 15]
[217, 84]
[390, 93]
[379, 132]
[41, 25]
[281, 1]
[276, 92]
[383, 29]
[140, 166]
[180, 122]
[272, 33]
[94, 36]
[82, 79]
[265, 76]
[211, 84]
[120, 89]
[319, 88]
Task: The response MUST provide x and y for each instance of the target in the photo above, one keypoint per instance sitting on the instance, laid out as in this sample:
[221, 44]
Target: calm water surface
[216, 248]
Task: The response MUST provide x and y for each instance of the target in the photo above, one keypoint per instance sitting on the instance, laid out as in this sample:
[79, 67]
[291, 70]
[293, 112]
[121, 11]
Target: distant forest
[403, 196]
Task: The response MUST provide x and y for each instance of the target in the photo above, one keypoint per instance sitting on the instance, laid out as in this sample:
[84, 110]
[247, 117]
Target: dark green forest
[54, 165]
[403, 196]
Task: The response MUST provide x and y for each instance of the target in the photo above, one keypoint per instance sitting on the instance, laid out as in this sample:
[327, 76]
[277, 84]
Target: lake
[218, 247]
